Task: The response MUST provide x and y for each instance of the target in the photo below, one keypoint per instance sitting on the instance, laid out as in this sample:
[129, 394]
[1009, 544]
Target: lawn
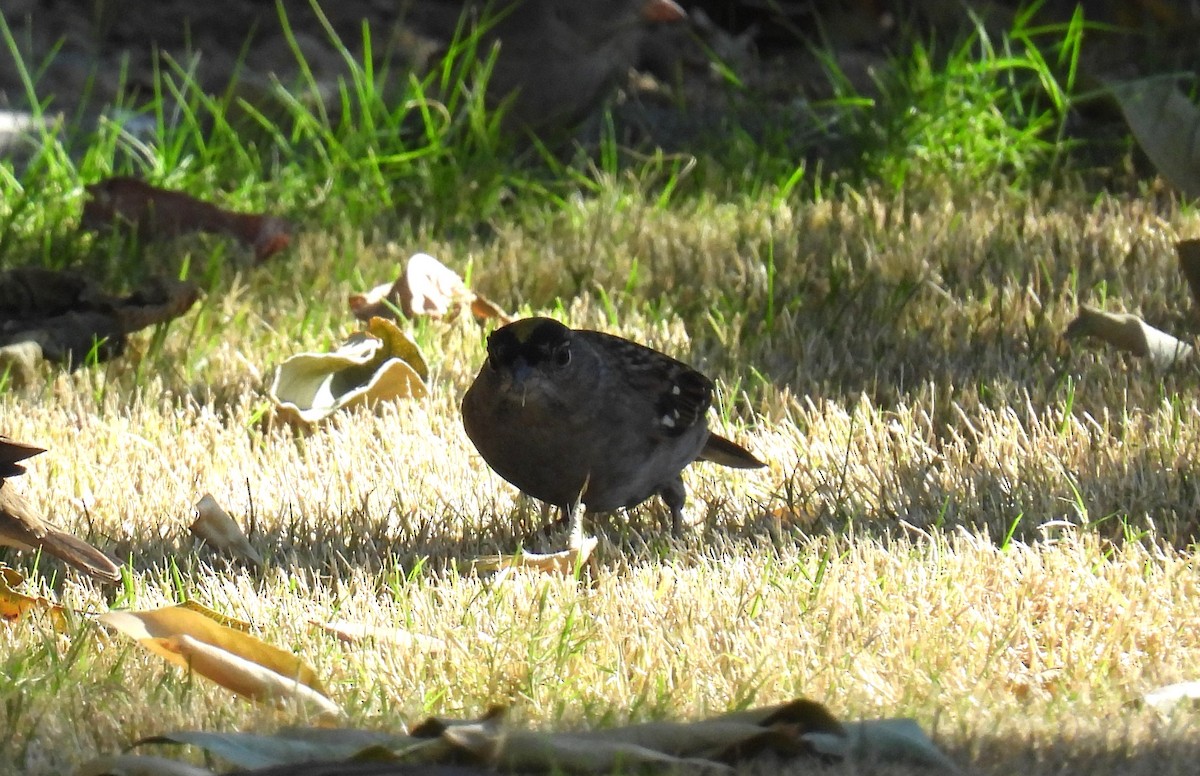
[965, 519]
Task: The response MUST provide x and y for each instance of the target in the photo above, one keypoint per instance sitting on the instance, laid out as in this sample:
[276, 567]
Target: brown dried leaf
[214, 525]
[373, 303]
[483, 308]
[64, 316]
[156, 301]
[155, 212]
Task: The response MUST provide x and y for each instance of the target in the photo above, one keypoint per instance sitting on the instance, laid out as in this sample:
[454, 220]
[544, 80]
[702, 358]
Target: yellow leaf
[212, 614]
[14, 605]
[231, 658]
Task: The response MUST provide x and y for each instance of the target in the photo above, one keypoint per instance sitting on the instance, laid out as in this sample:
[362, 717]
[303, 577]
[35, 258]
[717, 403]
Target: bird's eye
[562, 356]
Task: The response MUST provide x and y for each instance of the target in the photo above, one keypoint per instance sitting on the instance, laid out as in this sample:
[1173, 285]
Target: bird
[580, 417]
[21, 526]
[557, 59]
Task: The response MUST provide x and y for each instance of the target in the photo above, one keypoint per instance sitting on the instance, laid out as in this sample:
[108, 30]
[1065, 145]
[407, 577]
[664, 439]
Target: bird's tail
[720, 450]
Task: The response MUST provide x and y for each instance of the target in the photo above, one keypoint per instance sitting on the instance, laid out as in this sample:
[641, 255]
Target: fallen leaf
[426, 287]
[520, 750]
[233, 659]
[798, 728]
[429, 287]
[1129, 332]
[376, 303]
[15, 606]
[215, 616]
[377, 365]
[564, 562]
[288, 746]
[66, 317]
[214, 525]
[139, 765]
[484, 308]
[23, 527]
[155, 212]
[883, 741]
[1169, 697]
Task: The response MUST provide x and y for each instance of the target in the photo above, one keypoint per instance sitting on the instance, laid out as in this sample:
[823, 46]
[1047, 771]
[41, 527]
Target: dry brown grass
[911, 393]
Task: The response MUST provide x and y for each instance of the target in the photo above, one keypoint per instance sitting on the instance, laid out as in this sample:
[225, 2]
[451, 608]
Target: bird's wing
[679, 394]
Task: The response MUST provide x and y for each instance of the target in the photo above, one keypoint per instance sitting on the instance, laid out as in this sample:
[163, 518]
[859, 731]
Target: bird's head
[529, 355]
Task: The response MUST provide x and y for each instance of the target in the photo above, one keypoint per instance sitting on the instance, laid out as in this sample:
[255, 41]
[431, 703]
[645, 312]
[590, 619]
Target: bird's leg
[674, 496]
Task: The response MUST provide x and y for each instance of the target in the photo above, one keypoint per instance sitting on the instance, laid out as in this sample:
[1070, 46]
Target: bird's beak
[520, 372]
[663, 11]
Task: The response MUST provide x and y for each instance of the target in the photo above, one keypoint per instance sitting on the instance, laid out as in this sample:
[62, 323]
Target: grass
[964, 519]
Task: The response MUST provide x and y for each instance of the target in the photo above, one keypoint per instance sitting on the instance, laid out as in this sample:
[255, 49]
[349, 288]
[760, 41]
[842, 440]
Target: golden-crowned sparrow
[575, 416]
[23, 528]
[557, 59]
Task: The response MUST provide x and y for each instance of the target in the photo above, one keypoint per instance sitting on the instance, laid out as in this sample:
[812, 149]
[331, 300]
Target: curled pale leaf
[564, 562]
[1129, 332]
[235, 660]
[214, 525]
[372, 366]
[1173, 695]
[425, 288]
[429, 287]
